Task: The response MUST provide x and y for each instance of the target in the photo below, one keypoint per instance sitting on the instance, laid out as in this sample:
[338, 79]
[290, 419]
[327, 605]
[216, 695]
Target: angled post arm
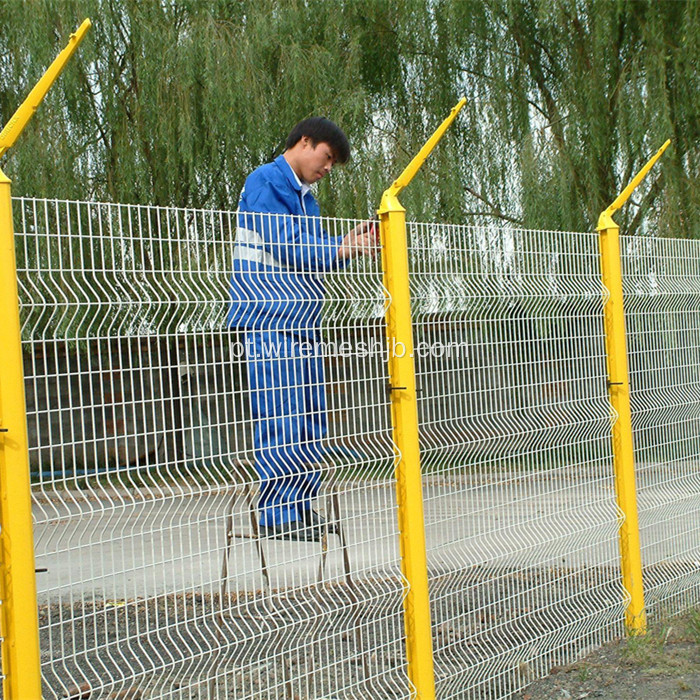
[619, 392]
[19, 626]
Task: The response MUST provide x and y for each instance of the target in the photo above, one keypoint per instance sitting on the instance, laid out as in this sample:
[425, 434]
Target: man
[281, 255]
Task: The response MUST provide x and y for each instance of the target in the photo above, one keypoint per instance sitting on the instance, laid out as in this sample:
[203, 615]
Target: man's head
[314, 146]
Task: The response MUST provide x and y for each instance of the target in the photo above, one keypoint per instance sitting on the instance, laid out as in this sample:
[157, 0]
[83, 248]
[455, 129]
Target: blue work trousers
[288, 408]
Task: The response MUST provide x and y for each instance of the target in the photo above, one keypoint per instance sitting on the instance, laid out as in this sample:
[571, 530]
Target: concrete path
[126, 545]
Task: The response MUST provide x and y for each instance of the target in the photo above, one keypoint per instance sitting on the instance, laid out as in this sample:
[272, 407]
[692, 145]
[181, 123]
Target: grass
[645, 649]
[694, 625]
[666, 646]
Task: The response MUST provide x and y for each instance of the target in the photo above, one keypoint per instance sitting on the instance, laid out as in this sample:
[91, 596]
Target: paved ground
[129, 544]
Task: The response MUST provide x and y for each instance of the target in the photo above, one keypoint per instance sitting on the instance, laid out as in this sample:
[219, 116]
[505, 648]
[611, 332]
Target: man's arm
[300, 242]
[294, 240]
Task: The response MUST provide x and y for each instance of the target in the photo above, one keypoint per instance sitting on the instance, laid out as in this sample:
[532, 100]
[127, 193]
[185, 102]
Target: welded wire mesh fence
[161, 436]
[143, 453]
[662, 302]
[521, 520]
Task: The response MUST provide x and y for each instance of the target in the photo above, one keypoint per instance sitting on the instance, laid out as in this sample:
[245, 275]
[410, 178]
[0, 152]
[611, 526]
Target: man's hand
[362, 240]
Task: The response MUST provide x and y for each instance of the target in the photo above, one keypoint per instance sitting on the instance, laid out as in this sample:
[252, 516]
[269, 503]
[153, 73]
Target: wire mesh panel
[213, 470]
[521, 521]
[662, 306]
[162, 430]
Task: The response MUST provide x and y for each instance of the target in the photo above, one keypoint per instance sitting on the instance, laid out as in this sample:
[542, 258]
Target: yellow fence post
[392, 216]
[20, 630]
[618, 387]
[18, 613]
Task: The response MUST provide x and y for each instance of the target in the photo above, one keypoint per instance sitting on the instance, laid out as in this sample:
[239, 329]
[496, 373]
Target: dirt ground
[663, 665]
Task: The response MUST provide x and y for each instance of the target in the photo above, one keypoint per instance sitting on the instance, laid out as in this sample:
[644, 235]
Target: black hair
[321, 130]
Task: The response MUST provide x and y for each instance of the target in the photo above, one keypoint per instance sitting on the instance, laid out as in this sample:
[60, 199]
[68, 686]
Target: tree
[175, 102]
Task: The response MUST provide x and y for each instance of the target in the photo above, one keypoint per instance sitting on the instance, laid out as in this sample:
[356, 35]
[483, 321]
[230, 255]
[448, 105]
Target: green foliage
[646, 649]
[175, 102]
[694, 625]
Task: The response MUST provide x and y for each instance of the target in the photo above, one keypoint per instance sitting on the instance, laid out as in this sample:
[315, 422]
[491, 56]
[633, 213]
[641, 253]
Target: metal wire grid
[141, 450]
[662, 305]
[521, 520]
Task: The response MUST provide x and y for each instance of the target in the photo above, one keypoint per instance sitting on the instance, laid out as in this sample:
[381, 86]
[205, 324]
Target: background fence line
[141, 455]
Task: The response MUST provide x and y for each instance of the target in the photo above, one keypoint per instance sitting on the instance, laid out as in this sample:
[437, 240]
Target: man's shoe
[312, 519]
[297, 531]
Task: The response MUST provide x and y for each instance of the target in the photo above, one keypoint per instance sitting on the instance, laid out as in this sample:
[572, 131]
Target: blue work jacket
[280, 255]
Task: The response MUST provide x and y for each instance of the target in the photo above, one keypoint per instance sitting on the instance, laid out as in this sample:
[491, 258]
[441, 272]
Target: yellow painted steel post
[18, 613]
[20, 630]
[419, 648]
[618, 385]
